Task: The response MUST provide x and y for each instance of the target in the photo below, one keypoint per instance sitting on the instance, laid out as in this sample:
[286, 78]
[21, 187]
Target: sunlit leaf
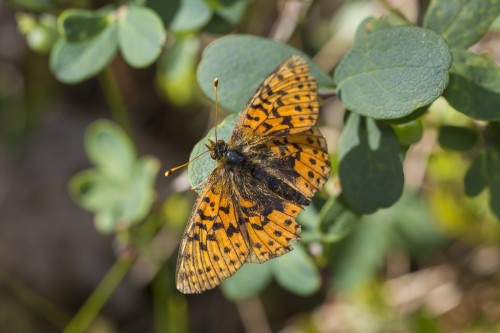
[392, 72]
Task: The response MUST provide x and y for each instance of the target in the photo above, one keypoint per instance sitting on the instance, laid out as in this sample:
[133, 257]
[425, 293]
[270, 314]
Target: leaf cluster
[119, 189]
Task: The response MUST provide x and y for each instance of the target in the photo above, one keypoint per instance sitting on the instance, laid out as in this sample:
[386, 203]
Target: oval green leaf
[409, 133]
[370, 169]
[191, 16]
[364, 252]
[141, 35]
[81, 25]
[176, 74]
[475, 180]
[461, 22]
[494, 182]
[241, 63]
[296, 272]
[248, 281]
[457, 138]
[474, 87]
[94, 191]
[336, 220]
[140, 191]
[75, 62]
[391, 72]
[109, 148]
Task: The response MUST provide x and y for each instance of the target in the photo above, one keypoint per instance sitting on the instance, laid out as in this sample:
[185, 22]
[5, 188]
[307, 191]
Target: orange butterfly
[275, 160]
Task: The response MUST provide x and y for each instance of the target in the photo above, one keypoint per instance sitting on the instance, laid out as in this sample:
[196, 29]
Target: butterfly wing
[300, 160]
[234, 220]
[270, 225]
[285, 103]
[277, 129]
[213, 246]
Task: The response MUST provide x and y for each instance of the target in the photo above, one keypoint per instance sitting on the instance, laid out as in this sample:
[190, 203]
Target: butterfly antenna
[171, 171]
[216, 83]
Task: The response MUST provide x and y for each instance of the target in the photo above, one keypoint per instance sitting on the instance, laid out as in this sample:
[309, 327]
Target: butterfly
[274, 162]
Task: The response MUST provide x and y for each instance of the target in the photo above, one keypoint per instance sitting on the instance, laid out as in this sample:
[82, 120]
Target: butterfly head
[218, 149]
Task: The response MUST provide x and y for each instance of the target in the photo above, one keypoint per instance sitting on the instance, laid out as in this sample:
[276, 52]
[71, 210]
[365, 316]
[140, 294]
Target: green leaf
[176, 74]
[485, 171]
[233, 12]
[461, 22]
[415, 115]
[191, 16]
[474, 87]
[200, 169]
[141, 35]
[218, 4]
[371, 24]
[241, 63]
[364, 252]
[457, 138]
[225, 18]
[414, 225]
[336, 220]
[81, 25]
[492, 134]
[166, 10]
[308, 219]
[248, 281]
[75, 62]
[94, 191]
[494, 181]
[120, 190]
[109, 148]
[409, 133]
[475, 180]
[296, 272]
[370, 167]
[117, 203]
[495, 198]
[140, 192]
[392, 72]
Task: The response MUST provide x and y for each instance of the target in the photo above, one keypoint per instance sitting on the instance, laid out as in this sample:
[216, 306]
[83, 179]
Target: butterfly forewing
[285, 103]
[213, 246]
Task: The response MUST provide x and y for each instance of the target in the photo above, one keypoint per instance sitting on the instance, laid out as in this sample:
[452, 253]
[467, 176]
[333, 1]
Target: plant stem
[115, 100]
[253, 315]
[99, 296]
[170, 309]
[34, 300]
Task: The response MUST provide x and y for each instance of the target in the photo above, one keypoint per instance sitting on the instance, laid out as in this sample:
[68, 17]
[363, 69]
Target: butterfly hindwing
[270, 225]
[301, 160]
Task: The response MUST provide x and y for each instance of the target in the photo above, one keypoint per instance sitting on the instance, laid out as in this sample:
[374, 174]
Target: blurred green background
[430, 263]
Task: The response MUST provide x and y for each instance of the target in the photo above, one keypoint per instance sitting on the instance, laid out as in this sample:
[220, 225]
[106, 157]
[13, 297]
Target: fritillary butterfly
[275, 160]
